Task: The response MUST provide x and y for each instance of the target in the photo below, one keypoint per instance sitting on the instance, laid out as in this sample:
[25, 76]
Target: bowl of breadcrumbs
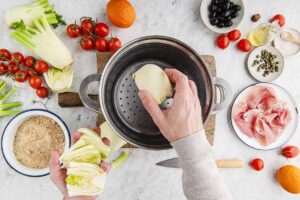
[29, 138]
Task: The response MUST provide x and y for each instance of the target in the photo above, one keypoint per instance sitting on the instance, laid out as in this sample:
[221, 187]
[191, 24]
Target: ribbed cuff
[195, 143]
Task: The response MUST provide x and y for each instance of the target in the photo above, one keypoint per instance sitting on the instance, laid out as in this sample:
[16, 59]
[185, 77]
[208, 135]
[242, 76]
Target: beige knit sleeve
[201, 179]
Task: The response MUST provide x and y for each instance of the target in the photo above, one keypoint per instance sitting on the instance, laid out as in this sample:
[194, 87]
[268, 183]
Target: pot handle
[225, 95]
[86, 100]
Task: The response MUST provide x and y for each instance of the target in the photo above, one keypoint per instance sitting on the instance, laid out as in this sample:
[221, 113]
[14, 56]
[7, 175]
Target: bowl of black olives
[222, 16]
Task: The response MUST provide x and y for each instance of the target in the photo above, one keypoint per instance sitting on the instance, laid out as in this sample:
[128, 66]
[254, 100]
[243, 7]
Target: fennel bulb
[154, 80]
[59, 80]
[25, 14]
[42, 41]
[115, 141]
[85, 179]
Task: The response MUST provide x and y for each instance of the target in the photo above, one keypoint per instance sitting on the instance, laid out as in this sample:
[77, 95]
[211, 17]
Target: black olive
[225, 6]
[220, 24]
[228, 23]
[231, 4]
[219, 10]
[212, 8]
[214, 21]
[228, 18]
[225, 13]
[217, 1]
[234, 14]
[236, 7]
[212, 15]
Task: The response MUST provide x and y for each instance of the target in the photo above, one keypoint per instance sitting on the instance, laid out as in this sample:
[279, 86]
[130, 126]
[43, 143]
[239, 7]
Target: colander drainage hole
[121, 105]
[124, 111]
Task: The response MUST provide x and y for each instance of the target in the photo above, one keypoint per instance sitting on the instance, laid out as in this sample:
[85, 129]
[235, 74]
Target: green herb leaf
[17, 25]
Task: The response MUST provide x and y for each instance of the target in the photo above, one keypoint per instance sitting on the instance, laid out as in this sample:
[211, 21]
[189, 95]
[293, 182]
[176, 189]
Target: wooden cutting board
[102, 59]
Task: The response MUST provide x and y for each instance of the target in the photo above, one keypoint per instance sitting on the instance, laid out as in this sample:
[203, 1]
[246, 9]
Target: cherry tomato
[42, 92]
[41, 66]
[244, 45]
[13, 68]
[101, 44]
[87, 43]
[87, 26]
[73, 30]
[29, 61]
[234, 35]
[114, 44]
[17, 58]
[31, 72]
[21, 76]
[257, 164]
[101, 29]
[3, 69]
[5, 55]
[222, 41]
[35, 82]
[280, 18]
[290, 151]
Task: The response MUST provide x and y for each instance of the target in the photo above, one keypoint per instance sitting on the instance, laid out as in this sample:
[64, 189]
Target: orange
[121, 13]
[289, 178]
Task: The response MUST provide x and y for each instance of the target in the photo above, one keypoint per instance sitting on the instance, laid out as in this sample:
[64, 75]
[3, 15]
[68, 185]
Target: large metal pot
[119, 102]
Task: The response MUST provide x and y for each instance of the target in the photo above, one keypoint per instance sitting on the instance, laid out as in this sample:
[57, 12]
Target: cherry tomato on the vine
[3, 69]
[114, 44]
[17, 58]
[35, 82]
[5, 55]
[101, 44]
[87, 43]
[31, 72]
[13, 68]
[87, 26]
[42, 92]
[41, 66]
[29, 61]
[101, 30]
[21, 76]
[73, 30]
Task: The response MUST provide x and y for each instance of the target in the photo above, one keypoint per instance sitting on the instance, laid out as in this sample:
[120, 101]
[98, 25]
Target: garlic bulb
[154, 80]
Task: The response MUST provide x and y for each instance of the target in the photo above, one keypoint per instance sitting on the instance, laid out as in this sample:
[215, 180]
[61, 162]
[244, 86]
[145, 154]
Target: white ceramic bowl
[236, 21]
[259, 75]
[8, 136]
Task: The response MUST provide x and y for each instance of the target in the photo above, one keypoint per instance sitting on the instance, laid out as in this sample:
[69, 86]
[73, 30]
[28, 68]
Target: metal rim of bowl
[273, 48]
[220, 30]
[4, 131]
[231, 122]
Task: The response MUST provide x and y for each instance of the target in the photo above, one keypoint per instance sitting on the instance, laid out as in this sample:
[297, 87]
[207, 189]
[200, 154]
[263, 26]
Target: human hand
[184, 117]
[58, 175]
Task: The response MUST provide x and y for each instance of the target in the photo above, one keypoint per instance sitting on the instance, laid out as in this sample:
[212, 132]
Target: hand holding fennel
[86, 162]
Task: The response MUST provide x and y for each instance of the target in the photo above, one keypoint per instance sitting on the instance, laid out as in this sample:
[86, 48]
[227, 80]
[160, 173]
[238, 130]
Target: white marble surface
[139, 178]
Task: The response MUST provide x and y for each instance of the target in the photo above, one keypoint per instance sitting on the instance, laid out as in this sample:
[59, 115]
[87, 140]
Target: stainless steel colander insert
[118, 94]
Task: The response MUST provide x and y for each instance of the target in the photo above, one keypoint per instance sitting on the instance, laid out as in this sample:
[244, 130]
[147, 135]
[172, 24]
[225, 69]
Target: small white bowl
[8, 136]
[204, 12]
[259, 75]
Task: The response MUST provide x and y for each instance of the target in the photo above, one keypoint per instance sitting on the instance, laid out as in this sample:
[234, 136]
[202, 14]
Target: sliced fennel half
[85, 179]
[115, 141]
[59, 80]
[24, 14]
[42, 41]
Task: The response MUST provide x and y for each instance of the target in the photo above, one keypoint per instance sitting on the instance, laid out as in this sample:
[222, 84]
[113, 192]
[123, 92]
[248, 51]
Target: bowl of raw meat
[264, 116]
